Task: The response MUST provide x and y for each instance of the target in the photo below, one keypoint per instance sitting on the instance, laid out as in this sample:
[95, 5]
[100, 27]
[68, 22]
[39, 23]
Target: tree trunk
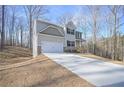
[3, 28]
[30, 29]
[21, 37]
[122, 49]
[12, 30]
[17, 37]
[114, 57]
[94, 32]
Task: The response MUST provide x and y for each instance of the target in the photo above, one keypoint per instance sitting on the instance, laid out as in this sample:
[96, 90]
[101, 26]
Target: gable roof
[52, 30]
[50, 23]
[70, 25]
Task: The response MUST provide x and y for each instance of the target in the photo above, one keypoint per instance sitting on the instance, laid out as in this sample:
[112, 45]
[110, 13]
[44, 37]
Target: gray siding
[42, 25]
[52, 31]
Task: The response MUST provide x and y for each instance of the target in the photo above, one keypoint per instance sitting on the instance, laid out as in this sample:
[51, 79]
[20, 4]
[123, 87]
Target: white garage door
[52, 47]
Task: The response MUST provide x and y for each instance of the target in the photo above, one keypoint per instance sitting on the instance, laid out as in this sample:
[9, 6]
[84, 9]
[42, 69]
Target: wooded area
[15, 28]
[102, 28]
[110, 45]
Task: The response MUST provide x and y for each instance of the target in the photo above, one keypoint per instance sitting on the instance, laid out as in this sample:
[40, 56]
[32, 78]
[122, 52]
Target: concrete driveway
[95, 71]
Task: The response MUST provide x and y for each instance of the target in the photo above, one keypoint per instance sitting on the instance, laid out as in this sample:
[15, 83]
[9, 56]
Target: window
[78, 35]
[70, 43]
[70, 31]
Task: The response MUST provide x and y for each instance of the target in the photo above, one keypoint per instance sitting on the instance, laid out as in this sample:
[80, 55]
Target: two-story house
[52, 38]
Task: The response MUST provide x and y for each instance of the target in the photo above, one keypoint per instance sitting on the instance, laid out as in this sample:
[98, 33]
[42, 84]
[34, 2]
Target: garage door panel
[52, 47]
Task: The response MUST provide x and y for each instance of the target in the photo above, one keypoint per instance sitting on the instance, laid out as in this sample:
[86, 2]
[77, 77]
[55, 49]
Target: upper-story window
[78, 35]
[70, 31]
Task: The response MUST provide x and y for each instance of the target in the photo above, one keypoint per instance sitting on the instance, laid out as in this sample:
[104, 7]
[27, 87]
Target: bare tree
[12, 23]
[33, 12]
[21, 28]
[108, 20]
[95, 12]
[123, 48]
[115, 10]
[64, 19]
[0, 20]
[3, 28]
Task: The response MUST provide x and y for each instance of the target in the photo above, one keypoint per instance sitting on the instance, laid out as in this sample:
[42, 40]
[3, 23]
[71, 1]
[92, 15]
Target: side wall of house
[69, 37]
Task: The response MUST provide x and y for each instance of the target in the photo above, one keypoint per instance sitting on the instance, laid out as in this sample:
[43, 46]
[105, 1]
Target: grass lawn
[101, 58]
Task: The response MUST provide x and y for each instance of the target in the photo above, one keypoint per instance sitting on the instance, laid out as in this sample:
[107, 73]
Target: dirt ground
[41, 74]
[101, 58]
[14, 54]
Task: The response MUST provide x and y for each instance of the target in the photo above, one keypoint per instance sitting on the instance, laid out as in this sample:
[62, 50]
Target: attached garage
[47, 38]
[51, 41]
[52, 47]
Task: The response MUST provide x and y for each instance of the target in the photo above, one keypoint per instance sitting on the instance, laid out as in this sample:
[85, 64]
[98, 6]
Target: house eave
[51, 35]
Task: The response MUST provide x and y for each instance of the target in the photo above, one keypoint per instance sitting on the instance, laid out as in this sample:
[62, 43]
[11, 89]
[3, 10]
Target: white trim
[51, 35]
[51, 27]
